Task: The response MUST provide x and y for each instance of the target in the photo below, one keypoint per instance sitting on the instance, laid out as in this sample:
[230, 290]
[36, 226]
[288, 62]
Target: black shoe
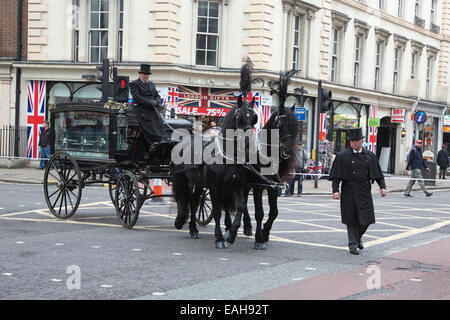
[154, 145]
[429, 194]
[360, 245]
[407, 195]
[353, 250]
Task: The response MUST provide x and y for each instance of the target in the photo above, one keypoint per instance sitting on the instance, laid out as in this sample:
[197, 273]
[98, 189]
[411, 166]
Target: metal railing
[435, 28]
[420, 22]
[8, 135]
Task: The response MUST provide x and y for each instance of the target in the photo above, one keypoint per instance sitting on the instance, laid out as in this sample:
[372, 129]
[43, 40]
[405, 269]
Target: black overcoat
[442, 159]
[357, 172]
[147, 102]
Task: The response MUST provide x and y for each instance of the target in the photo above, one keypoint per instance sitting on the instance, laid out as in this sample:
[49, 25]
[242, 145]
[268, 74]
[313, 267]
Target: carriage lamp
[121, 119]
[403, 132]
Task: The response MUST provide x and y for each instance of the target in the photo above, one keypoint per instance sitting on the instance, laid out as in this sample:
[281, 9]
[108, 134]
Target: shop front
[343, 117]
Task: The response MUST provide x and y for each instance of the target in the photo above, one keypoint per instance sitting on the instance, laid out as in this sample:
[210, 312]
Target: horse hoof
[260, 246]
[179, 223]
[222, 245]
[194, 234]
[230, 236]
[248, 231]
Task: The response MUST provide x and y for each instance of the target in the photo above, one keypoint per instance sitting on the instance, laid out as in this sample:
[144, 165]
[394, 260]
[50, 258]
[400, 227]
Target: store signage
[202, 111]
[398, 115]
[300, 113]
[420, 117]
[374, 122]
[447, 120]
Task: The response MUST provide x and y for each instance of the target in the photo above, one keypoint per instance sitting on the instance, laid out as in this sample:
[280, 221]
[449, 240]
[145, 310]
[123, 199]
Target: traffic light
[104, 78]
[121, 84]
[325, 99]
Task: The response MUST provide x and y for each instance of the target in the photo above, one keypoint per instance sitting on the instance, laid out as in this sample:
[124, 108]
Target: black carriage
[90, 140]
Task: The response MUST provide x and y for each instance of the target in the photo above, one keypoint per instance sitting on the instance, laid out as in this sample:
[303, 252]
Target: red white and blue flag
[172, 96]
[323, 126]
[373, 130]
[213, 102]
[35, 115]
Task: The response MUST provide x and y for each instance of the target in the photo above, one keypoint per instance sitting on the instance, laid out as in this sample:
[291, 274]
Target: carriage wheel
[128, 199]
[62, 185]
[112, 191]
[203, 214]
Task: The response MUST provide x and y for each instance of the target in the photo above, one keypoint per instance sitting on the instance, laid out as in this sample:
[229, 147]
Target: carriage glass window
[207, 33]
[82, 133]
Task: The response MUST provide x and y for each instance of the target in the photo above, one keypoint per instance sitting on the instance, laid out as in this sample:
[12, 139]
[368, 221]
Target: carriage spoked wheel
[62, 185]
[203, 214]
[112, 185]
[128, 199]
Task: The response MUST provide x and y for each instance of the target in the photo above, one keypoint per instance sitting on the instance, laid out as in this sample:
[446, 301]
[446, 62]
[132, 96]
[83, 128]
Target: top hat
[145, 68]
[355, 134]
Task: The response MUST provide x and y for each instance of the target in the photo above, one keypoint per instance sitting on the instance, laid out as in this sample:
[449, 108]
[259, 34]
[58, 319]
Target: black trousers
[355, 234]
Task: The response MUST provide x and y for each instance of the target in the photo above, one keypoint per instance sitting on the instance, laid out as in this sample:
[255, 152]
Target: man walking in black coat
[442, 161]
[147, 102]
[356, 167]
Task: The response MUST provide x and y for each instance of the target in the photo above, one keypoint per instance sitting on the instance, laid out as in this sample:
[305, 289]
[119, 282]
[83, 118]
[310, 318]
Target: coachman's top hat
[145, 68]
[355, 134]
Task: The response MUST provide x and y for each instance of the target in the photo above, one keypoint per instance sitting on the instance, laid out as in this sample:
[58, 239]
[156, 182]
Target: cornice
[395, 20]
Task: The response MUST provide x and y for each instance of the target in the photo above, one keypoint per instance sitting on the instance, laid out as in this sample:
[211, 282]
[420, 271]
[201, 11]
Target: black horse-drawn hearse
[89, 137]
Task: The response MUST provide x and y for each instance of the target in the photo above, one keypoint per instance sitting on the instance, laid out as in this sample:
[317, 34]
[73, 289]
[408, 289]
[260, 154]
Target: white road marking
[158, 293]
[7, 274]
[106, 286]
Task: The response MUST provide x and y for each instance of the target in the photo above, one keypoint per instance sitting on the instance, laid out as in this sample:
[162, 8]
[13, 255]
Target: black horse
[279, 137]
[224, 180]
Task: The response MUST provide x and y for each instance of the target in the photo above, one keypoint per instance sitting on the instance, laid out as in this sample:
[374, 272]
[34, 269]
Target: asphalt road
[91, 256]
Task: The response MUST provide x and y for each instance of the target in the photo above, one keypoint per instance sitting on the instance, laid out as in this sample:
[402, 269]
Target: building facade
[381, 59]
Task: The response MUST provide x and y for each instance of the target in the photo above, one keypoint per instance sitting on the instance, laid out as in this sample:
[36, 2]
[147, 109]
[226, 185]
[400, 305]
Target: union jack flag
[263, 113]
[172, 96]
[373, 130]
[35, 115]
[323, 126]
[205, 97]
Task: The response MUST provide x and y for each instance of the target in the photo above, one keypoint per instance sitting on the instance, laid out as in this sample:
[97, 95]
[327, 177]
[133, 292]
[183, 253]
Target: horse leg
[194, 203]
[231, 234]
[181, 192]
[273, 213]
[259, 215]
[247, 221]
[217, 213]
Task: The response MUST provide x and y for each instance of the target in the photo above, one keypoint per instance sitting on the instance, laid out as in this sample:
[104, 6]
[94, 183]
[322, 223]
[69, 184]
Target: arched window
[88, 92]
[345, 116]
[59, 93]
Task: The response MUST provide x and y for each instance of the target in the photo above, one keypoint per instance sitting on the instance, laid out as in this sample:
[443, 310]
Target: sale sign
[398, 115]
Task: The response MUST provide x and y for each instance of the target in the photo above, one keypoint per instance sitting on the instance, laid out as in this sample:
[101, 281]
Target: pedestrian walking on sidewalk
[442, 161]
[302, 160]
[357, 168]
[44, 146]
[415, 164]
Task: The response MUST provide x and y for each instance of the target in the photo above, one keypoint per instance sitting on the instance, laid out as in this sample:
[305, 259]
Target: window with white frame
[381, 4]
[120, 33]
[296, 44]
[98, 30]
[397, 61]
[429, 77]
[413, 65]
[207, 41]
[433, 12]
[378, 62]
[76, 29]
[357, 60]
[400, 8]
[334, 55]
[417, 8]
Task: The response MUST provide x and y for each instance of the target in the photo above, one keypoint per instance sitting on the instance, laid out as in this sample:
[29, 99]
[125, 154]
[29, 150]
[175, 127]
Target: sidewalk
[394, 183]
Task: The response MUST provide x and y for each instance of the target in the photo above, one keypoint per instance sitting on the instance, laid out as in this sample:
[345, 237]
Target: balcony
[435, 28]
[420, 22]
